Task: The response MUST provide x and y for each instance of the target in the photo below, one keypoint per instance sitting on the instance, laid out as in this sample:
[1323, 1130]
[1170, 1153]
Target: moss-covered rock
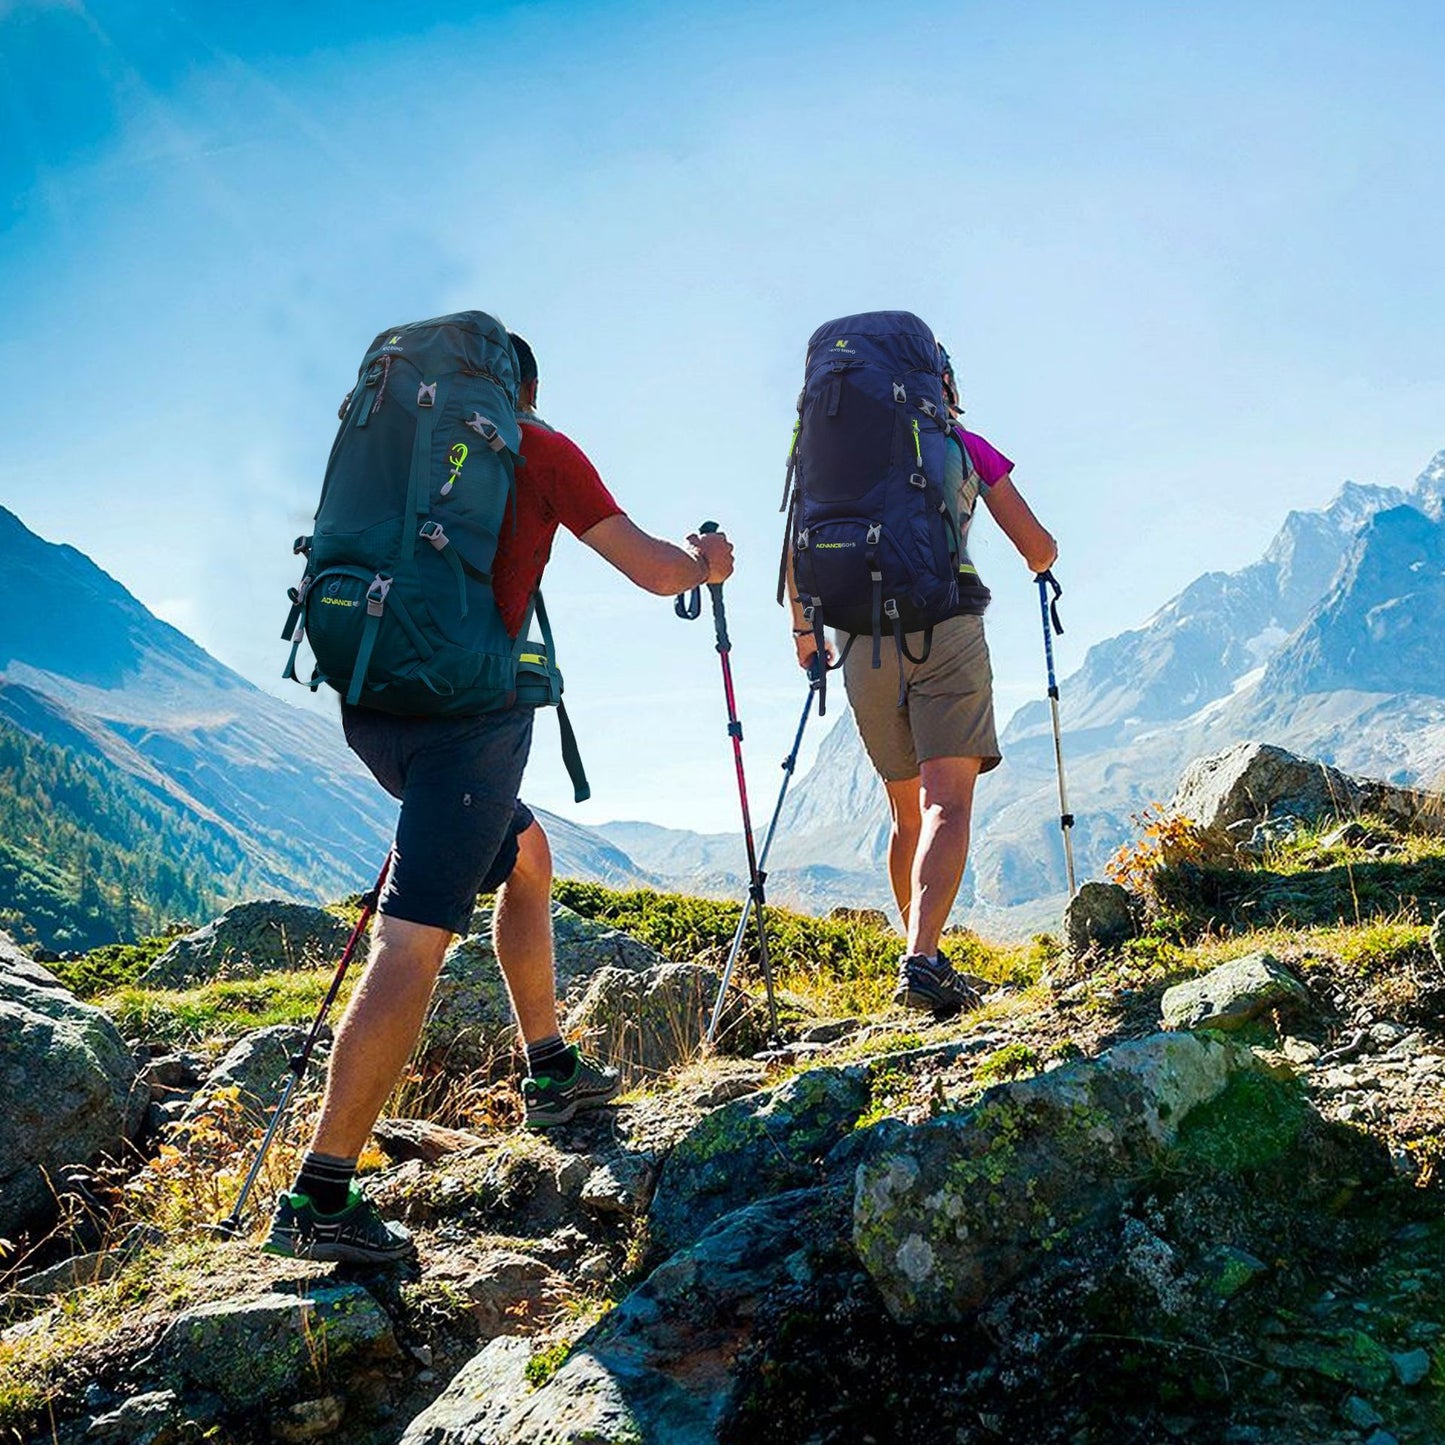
[754, 1147]
[1234, 994]
[267, 936]
[951, 1211]
[276, 1348]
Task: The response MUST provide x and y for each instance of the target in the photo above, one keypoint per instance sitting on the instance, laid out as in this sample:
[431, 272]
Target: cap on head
[950, 378]
[526, 359]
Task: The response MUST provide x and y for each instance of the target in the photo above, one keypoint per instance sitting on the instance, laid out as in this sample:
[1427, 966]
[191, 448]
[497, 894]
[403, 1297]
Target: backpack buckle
[434, 534]
[918, 480]
[899, 394]
[927, 407]
[875, 534]
[426, 395]
[301, 547]
[487, 430]
[890, 609]
[345, 402]
[376, 595]
[802, 539]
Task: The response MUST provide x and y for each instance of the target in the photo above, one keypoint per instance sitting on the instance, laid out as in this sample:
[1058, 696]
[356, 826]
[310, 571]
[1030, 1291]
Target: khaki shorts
[948, 707]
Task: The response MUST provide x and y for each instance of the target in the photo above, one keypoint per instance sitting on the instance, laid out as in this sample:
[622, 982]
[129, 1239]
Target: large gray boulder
[647, 1022]
[471, 1016]
[952, 1211]
[1234, 994]
[763, 1144]
[68, 1082]
[1100, 917]
[267, 936]
[271, 1349]
[258, 1066]
[658, 1368]
[1254, 781]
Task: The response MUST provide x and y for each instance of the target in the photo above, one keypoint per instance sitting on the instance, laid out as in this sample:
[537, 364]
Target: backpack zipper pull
[917, 444]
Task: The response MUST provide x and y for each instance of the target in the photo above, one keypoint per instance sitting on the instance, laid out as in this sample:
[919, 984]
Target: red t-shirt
[556, 487]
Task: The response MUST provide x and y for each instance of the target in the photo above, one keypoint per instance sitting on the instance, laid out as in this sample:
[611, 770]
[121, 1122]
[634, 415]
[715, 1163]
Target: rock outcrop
[69, 1085]
[956, 1209]
[1253, 782]
[266, 936]
[471, 1015]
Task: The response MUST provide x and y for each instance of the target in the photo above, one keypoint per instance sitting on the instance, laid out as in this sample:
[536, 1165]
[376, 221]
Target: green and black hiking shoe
[358, 1235]
[554, 1101]
[932, 984]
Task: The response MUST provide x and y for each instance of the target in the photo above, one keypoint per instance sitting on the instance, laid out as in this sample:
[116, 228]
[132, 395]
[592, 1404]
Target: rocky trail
[1184, 1185]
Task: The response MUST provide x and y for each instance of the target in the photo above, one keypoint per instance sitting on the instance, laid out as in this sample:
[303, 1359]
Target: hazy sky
[1187, 259]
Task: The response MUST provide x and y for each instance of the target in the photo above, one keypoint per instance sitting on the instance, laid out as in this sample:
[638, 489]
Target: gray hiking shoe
[358, 1235]
[554, 1101]
[931, 984]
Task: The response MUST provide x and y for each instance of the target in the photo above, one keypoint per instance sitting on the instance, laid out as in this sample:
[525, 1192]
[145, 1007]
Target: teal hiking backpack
[396, 598]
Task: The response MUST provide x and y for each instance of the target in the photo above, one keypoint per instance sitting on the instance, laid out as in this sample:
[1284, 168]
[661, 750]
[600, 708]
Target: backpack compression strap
[571, 756]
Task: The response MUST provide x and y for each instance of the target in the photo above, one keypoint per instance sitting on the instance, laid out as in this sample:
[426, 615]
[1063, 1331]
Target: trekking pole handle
[715, 591]
[1047, 580]
[688, 605]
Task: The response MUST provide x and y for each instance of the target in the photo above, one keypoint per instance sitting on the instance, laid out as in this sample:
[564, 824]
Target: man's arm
[656, 565]
[805, 641]
[1035, 545]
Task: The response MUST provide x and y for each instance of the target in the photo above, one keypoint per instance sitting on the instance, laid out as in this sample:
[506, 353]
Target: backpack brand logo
[834, 546]
[841, 344]
[392, 343]
[338, 602]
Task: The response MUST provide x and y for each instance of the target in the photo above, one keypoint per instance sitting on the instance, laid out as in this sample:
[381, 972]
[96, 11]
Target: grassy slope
[1354, 918]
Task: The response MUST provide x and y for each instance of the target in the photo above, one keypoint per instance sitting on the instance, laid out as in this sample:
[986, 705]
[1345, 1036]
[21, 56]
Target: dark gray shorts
[457, 779]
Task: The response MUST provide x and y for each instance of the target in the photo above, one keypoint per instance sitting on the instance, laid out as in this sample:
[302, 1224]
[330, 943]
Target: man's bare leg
[522, 936]
[378, 1031]
[903, 804]
[946, 799]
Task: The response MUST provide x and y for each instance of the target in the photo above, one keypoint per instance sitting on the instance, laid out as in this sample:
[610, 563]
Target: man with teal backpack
[442, 497]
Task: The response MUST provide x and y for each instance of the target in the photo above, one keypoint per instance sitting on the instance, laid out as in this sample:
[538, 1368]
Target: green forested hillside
[89, 855]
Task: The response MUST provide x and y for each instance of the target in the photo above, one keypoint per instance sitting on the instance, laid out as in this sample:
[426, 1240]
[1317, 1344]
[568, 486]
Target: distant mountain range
[1329, 645]
[141, 780]
[147, 781]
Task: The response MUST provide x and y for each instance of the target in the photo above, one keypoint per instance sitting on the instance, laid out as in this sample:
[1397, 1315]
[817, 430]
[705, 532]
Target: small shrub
[1009, 1062]
[546, 1362]
[1167, 841]
[114, 964]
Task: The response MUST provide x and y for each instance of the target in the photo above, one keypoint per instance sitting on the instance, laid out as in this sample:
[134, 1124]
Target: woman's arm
[1033, 541]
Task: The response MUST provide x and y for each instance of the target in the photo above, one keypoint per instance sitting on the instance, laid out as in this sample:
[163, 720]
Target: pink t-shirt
[990, 463]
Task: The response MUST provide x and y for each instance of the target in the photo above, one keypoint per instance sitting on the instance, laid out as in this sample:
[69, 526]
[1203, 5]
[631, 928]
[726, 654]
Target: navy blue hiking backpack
[872, 534]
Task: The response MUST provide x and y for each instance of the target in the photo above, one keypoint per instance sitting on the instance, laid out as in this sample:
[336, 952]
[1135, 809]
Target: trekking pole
[1049, 609]
[691, 610]
[231, 1224]
[815, 676]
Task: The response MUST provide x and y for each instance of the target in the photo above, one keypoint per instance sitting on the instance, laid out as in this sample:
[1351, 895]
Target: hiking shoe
[931, 983]
[358, 1235]
[554, 1101]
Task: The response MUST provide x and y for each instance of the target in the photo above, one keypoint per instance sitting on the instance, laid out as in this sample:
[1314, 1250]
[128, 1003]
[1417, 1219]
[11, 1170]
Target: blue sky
[1188, 263]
